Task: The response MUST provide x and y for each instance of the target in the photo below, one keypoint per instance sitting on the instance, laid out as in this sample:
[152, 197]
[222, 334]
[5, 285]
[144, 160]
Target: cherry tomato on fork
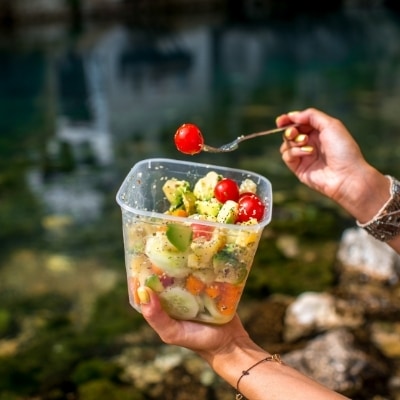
[226, 189]
[189, 139]
[250, 206]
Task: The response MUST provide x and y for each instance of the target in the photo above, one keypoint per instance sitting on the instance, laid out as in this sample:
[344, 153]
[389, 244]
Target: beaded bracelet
[274, 357]
[386, 223]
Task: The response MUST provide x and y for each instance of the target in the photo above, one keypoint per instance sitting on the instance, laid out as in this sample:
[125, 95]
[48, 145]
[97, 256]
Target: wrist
[230, 361]
[385, 225]
[368, 190]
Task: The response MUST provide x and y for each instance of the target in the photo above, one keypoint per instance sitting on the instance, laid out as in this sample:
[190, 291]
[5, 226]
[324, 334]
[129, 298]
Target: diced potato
[245, 238]
[205, 249]
[138, 263]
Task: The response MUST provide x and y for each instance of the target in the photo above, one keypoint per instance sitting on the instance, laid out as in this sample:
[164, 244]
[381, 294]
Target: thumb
[153, 312]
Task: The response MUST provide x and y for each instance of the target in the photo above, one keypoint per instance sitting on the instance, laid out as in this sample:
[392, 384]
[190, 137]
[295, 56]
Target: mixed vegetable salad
[198, 266]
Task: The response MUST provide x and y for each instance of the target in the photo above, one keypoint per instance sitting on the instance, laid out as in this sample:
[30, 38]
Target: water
[77, 111]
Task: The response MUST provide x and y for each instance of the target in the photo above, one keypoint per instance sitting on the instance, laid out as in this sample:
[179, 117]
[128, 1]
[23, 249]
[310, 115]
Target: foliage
[58, 357]
[276, 270]
[103, 389]
[95, 368]
[113, 315]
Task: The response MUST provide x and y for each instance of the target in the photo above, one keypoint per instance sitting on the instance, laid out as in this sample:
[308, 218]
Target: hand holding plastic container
[192, 249]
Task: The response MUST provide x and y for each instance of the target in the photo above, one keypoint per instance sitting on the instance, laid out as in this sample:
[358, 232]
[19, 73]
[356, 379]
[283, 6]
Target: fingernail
[293, 113]
[143, 295]
[300, 138]
[288, 131]
[307, 149]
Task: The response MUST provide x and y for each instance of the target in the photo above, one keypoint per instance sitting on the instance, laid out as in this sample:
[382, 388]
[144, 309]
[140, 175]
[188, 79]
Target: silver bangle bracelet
[386, 223]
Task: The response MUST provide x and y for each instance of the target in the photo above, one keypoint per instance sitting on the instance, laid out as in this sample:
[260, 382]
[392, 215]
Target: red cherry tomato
[245, 194]
[226, 189]
[250, 206]
[189, 139]
[202, 231]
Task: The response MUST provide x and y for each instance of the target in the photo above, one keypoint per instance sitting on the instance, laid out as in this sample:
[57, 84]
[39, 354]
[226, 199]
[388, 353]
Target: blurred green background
[89, 88]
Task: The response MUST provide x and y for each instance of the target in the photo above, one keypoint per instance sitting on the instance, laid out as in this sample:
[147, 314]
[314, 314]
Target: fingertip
[307, 149]
[290, 133]
[143, 293]
[278, 119]
[300, 138]
[149, 304]
[283, 120]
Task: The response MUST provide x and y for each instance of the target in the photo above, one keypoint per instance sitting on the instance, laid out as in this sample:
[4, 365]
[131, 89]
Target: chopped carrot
[156, 270]
[179, 213]
[133, 284]
[194, 285]
[213, 291]
[228, 299]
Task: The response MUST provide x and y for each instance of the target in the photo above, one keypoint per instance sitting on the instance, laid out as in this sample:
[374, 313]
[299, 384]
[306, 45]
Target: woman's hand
[323, 155]
[206, 340]
[321, 152]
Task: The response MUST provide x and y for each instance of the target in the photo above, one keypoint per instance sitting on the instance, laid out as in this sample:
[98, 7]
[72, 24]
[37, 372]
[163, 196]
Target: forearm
[269, 379]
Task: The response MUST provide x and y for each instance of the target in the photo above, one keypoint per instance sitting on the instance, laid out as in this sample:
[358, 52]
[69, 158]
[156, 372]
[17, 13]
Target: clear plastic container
[205, 280]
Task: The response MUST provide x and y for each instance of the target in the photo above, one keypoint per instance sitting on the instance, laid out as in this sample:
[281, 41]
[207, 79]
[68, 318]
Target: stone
[361, 253]
[334, 360]
[315, 312]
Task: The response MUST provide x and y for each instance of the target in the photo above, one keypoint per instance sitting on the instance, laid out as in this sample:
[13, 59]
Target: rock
[361, 253]
[314, 312]
[264, 321]
[167, 372]
[386, 337]
[378, 301]
[334, 360]
[368, 275]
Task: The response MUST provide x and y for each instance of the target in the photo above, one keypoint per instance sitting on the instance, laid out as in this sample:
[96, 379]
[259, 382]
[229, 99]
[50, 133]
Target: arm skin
[324, 156]
[229, 350]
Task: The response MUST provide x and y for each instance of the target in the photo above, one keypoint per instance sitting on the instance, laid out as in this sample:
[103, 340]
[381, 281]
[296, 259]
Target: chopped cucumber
[208, 207]
[179, 303]
[173, 190]
[154, 283]
[189, 202]
[206, 275]
[165, 256]
[228, 213]
[213, 315]
[179, 235]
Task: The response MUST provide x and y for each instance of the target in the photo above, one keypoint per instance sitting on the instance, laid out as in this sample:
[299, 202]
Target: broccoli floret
[228, 267]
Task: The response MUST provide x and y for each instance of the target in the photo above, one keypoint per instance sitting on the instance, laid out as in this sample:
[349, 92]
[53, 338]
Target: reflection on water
[77, 114]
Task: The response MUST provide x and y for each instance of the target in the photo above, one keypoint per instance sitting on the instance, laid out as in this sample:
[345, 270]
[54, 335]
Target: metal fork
[235, 143]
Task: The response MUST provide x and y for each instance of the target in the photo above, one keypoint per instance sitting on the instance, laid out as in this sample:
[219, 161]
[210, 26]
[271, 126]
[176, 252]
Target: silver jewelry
[386, 223]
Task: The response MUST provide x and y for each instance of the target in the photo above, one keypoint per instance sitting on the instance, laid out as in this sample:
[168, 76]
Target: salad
[198, 264]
